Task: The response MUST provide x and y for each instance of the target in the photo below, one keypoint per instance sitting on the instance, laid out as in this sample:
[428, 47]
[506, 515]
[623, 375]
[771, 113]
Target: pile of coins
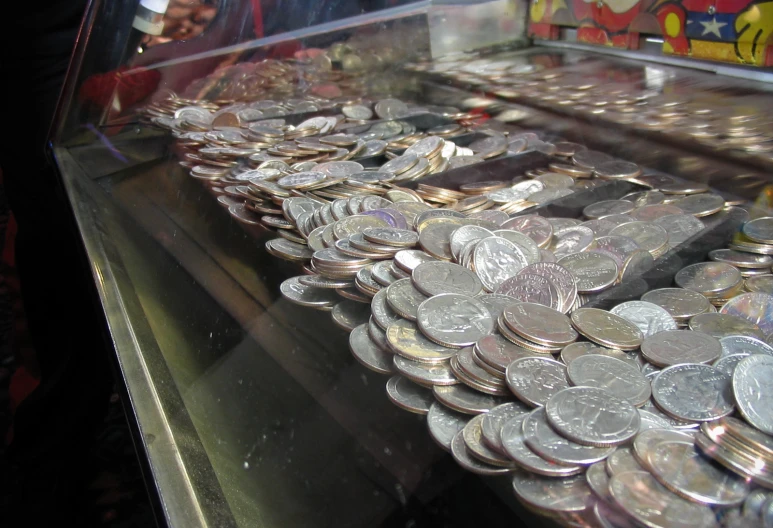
[595, 413]
[719, 123]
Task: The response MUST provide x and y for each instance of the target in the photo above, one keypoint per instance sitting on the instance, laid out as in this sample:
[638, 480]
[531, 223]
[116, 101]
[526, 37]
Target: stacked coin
[701, 119]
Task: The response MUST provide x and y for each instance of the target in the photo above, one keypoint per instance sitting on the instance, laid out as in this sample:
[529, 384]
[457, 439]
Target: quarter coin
[473, 440]
[368, 353]
[607, 329]
[404, 299]
[682, 469]
[454, 320]
[756, 308]
[611, 374]
[671, 347]
[513, 443]
[408, 395]
[695, 393]
[648, 317]
[444, 424]
[566, 495]
[463, 457]
[753, 390]
[404, 338]
[540, 324]
[466, 400]
[535, 380]
[548, 444]
[433, 278]
[424, 373]
[592, 271]
[642, 497]
[494, 420]
[592, 416]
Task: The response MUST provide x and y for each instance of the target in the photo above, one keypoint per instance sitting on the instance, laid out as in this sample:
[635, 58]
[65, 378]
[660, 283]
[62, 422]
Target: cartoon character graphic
[728, 30]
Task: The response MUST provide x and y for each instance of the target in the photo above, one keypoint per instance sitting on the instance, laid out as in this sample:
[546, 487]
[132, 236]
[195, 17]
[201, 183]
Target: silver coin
[405, 339]
[382, 313]
[760, 283]
[566, 495]
[548, 444]
[535, 380]
[381, 272]
[540, 324]
[592, 416]
[463, 457]
[671, 347]
[673, 423]
[645, 441]
[349, 314]
[424, 373]
[454, 320]
[607, 329]
[465, 234]
[523, 242]
[581, 348]
[680, 227]
[404, 299]
[593, 271]
[598, 480]
[621, 247]
[648, 236]
[530, 288]
[752, 505]
[682, 469]
[650, 420]
[607, 207]
[721, 325]
[308, 296]
[642, 198]
[743, 345]
[444, 424]
[741, 259]
[600, 226]
[727, 364]
[753, 393]
[473, 439]
[408, 259]
[463, 399]
[301, 179]
[756, 308]
[378, 335]
[613, 375]
[470, 370]
[648, 317]
[493, 421]
[513, 443]
[368, 353]
[681, 304]
[391, 236]
[708, 277]
[433, 278]
[642, 497]
[496, 260]
[288, 249]
[495, 303]
[622, 460]
[318, 281]
[408, 395]
[692, 392]
[498, 352]
[573, 239]
[534, 226]
[702, 204]
[560, 276]
[760, 230]
[650, 213]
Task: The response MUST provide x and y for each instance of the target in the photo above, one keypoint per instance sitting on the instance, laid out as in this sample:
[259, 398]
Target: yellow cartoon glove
[754, 25]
